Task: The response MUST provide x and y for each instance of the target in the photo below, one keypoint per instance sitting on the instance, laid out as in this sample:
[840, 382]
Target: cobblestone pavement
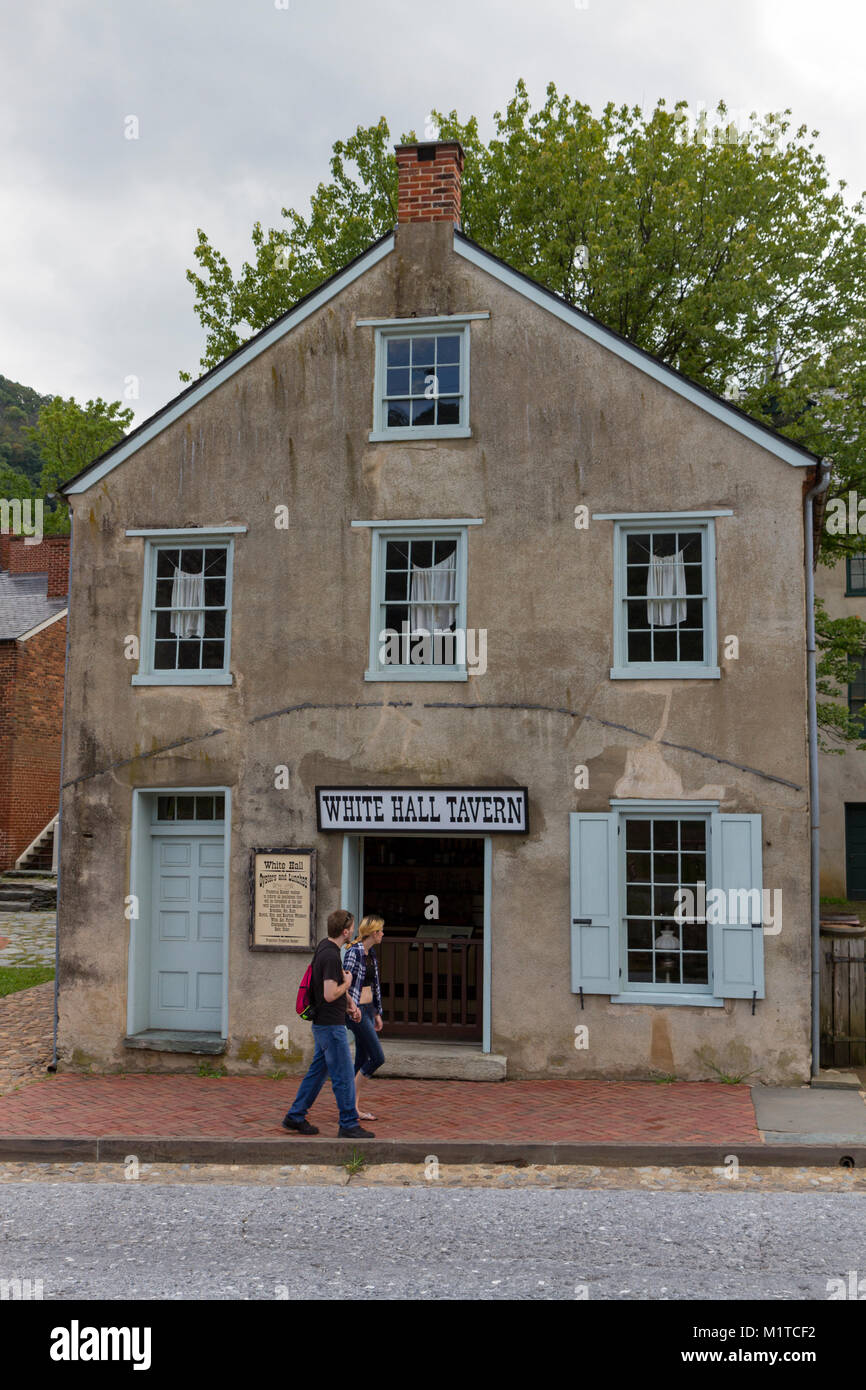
[429, 1174]
[27, 938]
[26, 1030]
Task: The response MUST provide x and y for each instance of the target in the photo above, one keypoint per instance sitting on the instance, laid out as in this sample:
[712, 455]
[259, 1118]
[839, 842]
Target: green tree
[69, 436]
[723, 251]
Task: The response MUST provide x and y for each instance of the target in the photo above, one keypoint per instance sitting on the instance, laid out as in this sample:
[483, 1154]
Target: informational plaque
[282, 899]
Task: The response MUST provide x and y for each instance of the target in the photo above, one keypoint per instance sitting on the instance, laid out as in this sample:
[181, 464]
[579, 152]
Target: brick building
[33, 587]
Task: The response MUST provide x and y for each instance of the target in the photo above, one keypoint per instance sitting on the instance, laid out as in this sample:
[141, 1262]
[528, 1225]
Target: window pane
[636, 579]
[693, 834]
[163, 623]
[449, 380]
[204, 808]
[423, 412]
[163, 592]
[422, 554]
[638, 901]
[637, 867]
[665, 868]
[165, 808]
[397, 584]
[665, 834]
[639, 646]
[214, 592]
[398, 413]
[166, 563]
[691, 646]
[448, 348]
[664, 644]
[213, 656]
[637, 548]
[640, 966]
[694, 579]
[422, 378]
[424, 352]
[220, 807]
[398, 381]
[186, 808]
[640, 936]
[695, 969]
[448, 412]
[636, 611]
[398, 352]
[638, 834]
[164, 656]
[191, 561]
[215, 624]
[189, 656]
[694, 936]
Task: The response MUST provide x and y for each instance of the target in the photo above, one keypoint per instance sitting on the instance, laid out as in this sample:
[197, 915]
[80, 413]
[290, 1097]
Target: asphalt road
[127, 1241]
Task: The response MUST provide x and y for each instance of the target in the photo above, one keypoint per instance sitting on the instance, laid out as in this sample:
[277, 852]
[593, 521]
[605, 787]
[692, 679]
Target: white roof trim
[659, 516]
[425, 522]
[227, 369]
[657, 370]
[46, 622]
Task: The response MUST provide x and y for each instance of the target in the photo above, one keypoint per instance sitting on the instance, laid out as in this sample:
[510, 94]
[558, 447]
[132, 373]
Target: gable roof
[24, 604]
[715, 405]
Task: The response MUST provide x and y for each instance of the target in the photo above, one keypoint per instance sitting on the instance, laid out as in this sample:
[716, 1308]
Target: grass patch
[16, 977]
[356, 1163]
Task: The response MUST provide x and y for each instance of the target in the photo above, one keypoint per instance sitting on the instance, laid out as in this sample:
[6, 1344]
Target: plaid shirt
[355, 961]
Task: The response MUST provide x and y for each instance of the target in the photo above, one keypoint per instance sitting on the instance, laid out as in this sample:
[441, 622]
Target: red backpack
[305, 1004]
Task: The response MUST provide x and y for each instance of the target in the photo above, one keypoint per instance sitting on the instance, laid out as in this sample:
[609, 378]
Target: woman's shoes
[366, 1115]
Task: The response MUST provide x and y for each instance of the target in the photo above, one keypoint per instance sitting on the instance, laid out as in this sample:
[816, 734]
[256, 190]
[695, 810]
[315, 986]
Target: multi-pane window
[421, 593]
[665, 596]
[189, 609]
[418, 604]
[857, 691]
[422, 380]
[664, 585]
[188, 807]
[662, 857]
[856, 565]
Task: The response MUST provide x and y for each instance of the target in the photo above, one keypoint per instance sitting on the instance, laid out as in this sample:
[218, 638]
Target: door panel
[187, 943]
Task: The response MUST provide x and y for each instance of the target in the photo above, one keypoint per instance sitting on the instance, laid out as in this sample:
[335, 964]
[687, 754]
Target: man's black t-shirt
[328, 966]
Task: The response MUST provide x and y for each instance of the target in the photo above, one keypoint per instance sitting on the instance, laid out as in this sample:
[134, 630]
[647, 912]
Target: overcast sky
[238, 103]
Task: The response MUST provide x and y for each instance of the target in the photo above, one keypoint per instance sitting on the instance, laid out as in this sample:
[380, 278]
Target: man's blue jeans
[332, 1057]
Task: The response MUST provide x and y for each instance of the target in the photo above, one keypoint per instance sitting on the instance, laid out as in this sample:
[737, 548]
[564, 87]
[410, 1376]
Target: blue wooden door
[188, 897]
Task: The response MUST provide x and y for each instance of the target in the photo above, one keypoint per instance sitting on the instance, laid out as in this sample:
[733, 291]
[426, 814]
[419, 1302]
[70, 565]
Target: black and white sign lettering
[443, 810]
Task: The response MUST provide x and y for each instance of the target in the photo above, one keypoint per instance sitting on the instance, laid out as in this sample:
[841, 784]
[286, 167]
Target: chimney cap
[435, 145]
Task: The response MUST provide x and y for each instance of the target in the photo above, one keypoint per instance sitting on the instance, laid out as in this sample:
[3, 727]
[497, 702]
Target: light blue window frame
[642, 991]
[440, 324]
[622, 668]
[154, 541]
[413, 530]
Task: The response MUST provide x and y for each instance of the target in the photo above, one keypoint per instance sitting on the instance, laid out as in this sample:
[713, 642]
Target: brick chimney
[50, 555]
[429, 182]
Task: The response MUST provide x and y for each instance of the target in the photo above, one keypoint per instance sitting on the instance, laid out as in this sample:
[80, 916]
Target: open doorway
[430, 891]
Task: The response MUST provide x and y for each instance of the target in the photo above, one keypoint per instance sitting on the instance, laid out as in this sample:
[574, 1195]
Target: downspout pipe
[814, 803]
[58, 829]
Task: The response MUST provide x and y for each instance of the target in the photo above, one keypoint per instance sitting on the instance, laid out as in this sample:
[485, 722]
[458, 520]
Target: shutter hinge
[754, 998]
[581, 996]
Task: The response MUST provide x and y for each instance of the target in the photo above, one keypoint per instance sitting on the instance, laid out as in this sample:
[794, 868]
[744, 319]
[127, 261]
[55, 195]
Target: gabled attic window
[421, 377]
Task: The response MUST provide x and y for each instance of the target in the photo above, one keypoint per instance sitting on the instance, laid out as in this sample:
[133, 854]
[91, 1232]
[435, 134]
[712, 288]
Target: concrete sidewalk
[237, 1120]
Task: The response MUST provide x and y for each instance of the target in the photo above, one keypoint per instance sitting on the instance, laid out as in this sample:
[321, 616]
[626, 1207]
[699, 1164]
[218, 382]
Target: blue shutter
[350, 888]
[595, 903]
[738, 946]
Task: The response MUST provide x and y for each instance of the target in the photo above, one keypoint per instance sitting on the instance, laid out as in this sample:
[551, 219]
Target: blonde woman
[365, 993]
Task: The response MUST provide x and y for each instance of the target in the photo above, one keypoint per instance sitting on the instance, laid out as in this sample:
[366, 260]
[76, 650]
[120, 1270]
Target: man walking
[332, 1056]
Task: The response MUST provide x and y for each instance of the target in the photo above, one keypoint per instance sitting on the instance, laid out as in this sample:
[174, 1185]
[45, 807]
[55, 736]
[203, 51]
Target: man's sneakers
[298, 1126]
[356, 1132]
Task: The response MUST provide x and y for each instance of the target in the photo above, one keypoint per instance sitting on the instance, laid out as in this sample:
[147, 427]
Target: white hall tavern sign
[446, 810]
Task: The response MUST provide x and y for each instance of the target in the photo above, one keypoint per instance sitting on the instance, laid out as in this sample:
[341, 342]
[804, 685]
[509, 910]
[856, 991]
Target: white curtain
[666, 590]
[435, 589]
[187, 592]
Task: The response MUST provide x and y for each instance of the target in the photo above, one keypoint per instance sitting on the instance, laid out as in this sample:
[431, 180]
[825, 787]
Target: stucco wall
[557, 420]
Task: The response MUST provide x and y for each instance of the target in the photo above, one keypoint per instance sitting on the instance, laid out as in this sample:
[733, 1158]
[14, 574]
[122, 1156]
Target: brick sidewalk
[637, 1112]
